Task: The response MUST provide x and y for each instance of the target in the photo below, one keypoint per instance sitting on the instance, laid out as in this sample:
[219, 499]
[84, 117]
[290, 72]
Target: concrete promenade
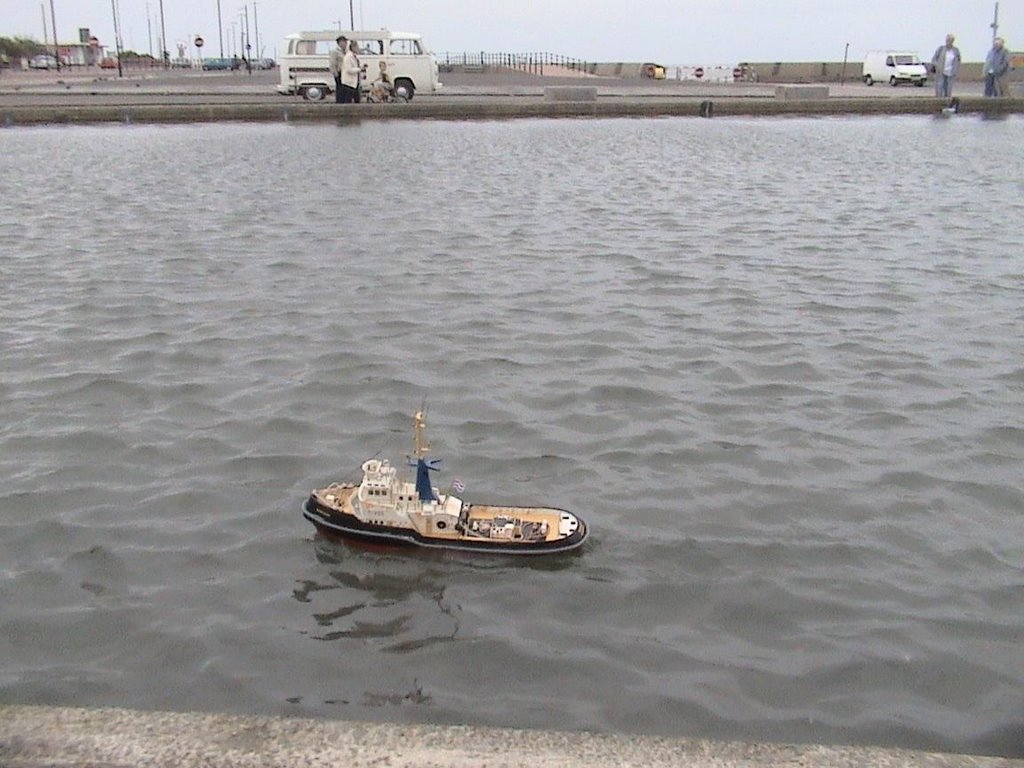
[80, 97]
[38, 737]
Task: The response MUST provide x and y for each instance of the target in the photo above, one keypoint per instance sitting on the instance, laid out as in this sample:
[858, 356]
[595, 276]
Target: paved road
[75, 87]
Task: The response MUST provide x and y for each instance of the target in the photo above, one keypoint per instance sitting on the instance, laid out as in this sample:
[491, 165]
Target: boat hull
[336, 523]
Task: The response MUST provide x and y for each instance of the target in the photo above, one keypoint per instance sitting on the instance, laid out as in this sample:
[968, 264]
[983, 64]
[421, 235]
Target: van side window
[406, 48]
[324, 47]
[888, 61]
[371, 47]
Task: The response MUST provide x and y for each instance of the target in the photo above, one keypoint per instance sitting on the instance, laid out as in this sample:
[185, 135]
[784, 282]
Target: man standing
[337, 64]
[997, 65]
[946, 67]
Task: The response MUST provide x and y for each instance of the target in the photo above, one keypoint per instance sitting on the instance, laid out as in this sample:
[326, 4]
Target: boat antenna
[354, 473]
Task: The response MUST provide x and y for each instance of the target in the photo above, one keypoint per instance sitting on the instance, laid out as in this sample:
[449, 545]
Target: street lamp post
[248, 44]
[164, 54]
[256, 30]
[56, 46]
[117, 37]
[351, 16]
[220, 30]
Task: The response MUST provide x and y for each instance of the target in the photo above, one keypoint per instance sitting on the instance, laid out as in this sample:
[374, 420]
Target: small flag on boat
[458, 485]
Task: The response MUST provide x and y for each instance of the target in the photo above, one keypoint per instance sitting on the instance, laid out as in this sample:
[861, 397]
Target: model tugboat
[386, 509]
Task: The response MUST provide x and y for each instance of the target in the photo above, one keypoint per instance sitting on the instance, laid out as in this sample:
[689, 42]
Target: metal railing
[533, 63]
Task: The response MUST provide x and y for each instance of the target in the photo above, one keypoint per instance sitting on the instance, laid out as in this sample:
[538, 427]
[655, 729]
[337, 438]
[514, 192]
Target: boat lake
[775, 364]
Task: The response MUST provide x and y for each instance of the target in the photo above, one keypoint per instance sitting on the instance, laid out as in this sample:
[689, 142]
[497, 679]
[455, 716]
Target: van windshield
[907, 60]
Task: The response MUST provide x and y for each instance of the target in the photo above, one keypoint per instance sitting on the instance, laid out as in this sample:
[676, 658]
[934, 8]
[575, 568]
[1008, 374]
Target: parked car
[211, 64]
[265, 63]
[43, 61]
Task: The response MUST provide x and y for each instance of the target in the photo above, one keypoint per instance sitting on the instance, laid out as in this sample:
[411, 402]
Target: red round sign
[199, 42]
[698, 72]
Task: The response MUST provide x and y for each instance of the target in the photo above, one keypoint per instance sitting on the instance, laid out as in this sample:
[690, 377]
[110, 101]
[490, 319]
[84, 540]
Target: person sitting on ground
[381, 88]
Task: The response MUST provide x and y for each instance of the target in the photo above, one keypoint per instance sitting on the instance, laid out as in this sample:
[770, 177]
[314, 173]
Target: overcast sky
[670, 32]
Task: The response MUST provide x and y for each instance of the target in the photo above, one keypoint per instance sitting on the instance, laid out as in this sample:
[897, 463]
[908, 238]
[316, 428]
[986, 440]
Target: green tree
[20, 47]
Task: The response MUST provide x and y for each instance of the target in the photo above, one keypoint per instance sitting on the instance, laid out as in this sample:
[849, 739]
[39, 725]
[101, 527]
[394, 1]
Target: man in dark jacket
[997, 66]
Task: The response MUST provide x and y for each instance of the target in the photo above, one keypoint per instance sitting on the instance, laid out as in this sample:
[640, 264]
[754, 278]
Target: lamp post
[248, 44]
[164, 54]
[220, 30]
[53, 25]
[256, 30]
[117, 36]
[351, 16]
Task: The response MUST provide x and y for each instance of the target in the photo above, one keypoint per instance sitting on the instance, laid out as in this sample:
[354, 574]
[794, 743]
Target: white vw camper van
[894, 67]
[306, 56]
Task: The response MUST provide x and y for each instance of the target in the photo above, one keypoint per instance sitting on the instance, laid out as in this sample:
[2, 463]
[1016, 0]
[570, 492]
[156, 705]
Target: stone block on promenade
[570, 93]
[801, 92]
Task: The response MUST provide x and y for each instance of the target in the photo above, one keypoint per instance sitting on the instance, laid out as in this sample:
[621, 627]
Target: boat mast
[423, 466]
[420, 446]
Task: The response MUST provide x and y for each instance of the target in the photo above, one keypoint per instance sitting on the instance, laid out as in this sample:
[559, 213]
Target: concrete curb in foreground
[482, 109]
[33, 737]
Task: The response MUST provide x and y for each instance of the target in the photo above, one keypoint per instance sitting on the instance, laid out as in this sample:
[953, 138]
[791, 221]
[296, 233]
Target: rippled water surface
[776, 364]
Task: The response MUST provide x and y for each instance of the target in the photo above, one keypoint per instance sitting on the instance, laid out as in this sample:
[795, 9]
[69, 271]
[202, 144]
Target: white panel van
[894, 67]
[305, 62]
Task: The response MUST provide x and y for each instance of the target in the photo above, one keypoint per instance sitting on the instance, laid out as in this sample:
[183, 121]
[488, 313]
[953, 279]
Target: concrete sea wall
[34, 737]
[495, 109]
[787, 71]
[835, 71]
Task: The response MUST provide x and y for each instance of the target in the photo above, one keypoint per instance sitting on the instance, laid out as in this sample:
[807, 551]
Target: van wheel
[405, 84]
[892, 81]
[314, 93]
[868, 80]
[919, 83]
